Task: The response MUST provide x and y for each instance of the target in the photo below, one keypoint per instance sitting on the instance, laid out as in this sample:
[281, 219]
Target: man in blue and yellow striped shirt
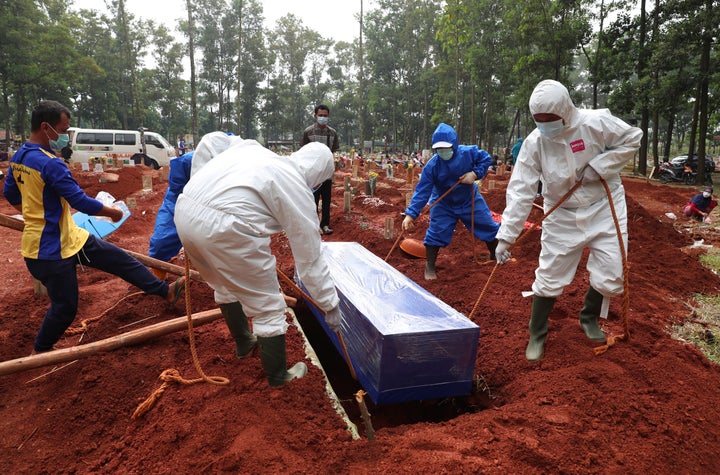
[39, 185]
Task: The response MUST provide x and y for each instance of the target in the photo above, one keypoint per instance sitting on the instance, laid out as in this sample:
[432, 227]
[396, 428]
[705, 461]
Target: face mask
[445, 153]
[323, 120]
[706, 194]
[61, 142]
[550, 129]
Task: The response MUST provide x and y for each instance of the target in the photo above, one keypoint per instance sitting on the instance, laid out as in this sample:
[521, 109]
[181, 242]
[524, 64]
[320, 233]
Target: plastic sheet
[404, 343]
[101, 226]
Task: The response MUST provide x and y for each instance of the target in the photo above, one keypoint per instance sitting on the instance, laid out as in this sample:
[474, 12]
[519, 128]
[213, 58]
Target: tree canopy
[469, 63]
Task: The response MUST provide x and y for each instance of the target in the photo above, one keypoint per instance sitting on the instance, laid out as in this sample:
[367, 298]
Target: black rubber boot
[431, 252]
[589, 315]
[237, 323]
[492, 245]
[273, 359]
[541, 307]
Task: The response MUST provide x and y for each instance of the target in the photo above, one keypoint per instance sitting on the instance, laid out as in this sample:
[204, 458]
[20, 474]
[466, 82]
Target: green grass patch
[711, 260]
[702, 328]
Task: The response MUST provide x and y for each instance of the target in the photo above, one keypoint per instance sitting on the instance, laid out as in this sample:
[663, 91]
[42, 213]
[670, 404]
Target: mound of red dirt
[647, 405]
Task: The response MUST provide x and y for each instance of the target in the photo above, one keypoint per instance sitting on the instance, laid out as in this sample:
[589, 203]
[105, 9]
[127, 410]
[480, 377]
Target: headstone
[147, 183]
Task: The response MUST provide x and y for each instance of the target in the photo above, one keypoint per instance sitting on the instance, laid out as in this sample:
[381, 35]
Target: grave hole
[383, 415]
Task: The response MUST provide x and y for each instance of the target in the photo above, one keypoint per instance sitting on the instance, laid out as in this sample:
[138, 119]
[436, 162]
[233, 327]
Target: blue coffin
[404, 343]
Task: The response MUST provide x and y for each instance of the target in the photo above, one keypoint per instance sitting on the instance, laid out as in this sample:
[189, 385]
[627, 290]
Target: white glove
[468, 178]
[502, 253]
[590, 175]
[408, 223]
[333, 318]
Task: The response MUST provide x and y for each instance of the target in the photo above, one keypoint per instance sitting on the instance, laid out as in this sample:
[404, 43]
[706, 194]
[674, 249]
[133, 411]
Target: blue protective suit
[165, 242]
[440, 175]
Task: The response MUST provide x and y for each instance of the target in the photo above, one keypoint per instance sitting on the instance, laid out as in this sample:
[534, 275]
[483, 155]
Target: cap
[442, 145]
[708, 188]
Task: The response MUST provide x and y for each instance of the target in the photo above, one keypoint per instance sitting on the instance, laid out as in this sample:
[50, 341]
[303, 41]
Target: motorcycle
[676, 173]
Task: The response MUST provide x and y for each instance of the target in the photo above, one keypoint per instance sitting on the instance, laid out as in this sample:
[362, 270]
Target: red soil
[647, 405]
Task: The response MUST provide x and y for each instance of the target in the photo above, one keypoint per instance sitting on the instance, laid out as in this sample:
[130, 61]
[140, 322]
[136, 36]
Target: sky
[332, 19]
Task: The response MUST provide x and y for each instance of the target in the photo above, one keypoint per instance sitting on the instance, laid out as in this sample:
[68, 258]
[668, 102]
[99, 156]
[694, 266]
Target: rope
[472, 221]
[84, 324]
[612, 339]
[310, 300]
[173, 375]
[520, 239]
[421, 213]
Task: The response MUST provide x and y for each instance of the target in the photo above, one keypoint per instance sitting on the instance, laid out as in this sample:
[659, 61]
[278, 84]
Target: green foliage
[471, 63]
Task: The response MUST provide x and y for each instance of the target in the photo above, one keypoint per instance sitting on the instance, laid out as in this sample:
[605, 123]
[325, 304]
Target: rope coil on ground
[173, 375]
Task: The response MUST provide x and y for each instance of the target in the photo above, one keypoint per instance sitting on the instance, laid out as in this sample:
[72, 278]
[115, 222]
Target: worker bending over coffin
[225, 217]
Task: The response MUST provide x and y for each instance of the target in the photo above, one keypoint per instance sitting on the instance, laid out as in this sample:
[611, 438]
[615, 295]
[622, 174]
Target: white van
[149, 148]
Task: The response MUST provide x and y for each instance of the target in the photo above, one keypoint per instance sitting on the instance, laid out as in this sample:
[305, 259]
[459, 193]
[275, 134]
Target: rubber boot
[492, 245]
[541, 307]
[589, 315]
[273, 359]
[237, 323]
[431, 252]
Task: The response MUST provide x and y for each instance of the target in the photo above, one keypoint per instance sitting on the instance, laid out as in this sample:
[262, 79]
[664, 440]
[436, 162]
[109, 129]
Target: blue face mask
[550, 129]
[61, 142]
[323, 120]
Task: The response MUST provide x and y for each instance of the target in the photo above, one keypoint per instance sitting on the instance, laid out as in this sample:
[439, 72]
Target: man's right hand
[112, 212]
[502, 252]
[408, 223]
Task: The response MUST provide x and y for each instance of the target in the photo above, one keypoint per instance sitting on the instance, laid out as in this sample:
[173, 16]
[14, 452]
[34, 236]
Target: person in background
[41, 187]
[450, 164]
[570, 145]
[516, 150]
[66, 153]
[321, 132]
[165, 242]
[700, 205]
[226, 230]
[182, 149]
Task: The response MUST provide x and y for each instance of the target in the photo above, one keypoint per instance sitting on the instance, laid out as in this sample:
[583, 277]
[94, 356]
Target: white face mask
[550, 129]
[323, 120]
[445, 153]
[707, 194]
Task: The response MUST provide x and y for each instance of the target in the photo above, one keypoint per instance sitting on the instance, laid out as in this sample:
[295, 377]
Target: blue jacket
[440, 175]
[165, 242]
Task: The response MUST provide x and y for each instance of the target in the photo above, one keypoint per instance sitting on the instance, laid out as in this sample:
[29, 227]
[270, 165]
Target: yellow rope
[84, 324]
[173, 375]
[612, 339]
[522, 238]
[421, 213]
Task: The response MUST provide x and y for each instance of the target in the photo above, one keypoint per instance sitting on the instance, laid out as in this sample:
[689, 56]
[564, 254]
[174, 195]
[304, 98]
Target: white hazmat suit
[590, 138]
[231, 207]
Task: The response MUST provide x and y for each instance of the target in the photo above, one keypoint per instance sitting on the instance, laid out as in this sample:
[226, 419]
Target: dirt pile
[648, 405]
